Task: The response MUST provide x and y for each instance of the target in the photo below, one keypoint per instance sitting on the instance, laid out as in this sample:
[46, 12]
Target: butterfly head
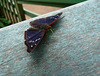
[32, 23]
[48, 27]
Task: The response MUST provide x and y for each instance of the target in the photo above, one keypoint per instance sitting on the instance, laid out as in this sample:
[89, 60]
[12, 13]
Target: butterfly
[33, 35]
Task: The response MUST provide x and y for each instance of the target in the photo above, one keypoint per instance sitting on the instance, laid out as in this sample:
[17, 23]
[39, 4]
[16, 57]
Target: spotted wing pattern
[48, 20]
[32, 38]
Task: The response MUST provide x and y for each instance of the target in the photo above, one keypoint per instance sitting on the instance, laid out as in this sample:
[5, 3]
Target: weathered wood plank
[73, 51]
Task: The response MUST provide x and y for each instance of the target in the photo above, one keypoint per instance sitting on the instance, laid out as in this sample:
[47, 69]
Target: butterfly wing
[32, 39]
[47, 20]
[50, 20]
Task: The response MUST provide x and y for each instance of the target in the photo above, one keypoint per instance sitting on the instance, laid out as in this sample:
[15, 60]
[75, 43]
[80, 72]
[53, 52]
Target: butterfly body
[34, 35]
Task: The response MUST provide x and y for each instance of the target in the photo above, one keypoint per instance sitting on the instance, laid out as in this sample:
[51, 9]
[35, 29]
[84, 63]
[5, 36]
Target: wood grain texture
[74, 50]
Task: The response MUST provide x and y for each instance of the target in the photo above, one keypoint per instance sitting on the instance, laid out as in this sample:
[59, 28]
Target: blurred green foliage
[4, 22]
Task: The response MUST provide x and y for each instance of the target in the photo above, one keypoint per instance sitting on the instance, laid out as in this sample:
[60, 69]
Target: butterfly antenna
[61, 18]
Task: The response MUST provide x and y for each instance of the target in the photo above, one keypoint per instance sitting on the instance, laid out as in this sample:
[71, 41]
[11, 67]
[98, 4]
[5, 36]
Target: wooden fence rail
[14, 11]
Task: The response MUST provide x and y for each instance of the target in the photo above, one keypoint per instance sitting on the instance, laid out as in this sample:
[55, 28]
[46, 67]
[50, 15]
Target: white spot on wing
[37, 39]
[31, 41]
[31, 45]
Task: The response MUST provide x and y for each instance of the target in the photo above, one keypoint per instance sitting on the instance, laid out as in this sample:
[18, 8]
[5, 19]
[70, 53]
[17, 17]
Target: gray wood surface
[74, 50]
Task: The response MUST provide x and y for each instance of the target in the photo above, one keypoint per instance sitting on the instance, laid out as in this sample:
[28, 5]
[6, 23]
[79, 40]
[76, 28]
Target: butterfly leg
[62, 18]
